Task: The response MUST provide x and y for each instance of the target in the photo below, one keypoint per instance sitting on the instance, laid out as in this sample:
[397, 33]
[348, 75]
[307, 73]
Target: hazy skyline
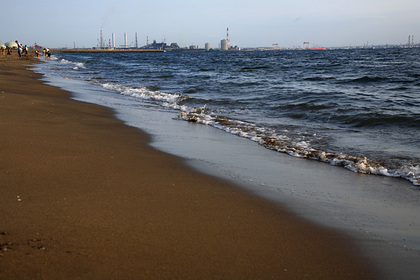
[251, 23]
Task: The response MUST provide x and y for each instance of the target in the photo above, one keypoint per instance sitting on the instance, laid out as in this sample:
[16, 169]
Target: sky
[251, 23]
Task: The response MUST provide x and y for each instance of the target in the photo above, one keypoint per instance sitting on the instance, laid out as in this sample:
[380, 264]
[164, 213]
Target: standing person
[19, 48]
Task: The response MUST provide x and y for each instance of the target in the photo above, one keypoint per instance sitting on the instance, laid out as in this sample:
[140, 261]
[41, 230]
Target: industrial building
[224, 45]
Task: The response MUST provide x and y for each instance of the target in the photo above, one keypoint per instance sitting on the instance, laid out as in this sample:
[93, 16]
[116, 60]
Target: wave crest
[297, 148]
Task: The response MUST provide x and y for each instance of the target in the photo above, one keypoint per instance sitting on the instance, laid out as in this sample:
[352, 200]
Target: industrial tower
[137, 44]
[224, 44]
[227, 37]
[101, 42]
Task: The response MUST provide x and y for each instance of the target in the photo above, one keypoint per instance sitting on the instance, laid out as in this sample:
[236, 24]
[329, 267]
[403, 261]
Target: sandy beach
[83, 196]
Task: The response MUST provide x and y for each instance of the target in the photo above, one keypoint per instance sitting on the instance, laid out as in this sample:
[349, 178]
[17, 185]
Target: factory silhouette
[224, 45]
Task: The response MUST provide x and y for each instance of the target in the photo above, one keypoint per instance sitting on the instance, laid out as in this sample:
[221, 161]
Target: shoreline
[105, 50]
[86, 197]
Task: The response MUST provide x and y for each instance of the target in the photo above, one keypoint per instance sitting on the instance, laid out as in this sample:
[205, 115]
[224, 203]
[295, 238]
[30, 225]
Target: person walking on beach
[19, 48]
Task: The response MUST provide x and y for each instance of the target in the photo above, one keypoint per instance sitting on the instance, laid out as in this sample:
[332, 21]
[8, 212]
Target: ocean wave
[144, 93]
[297, 147]
[283, 100]
[77, 65]
[387, 120]
[251, 68]
[319, 78]
[364, 80]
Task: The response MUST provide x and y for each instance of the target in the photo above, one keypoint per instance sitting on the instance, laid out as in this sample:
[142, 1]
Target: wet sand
[83, 196]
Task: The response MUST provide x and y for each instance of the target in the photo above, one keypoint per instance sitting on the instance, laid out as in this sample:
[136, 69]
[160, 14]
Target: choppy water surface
[359, 109]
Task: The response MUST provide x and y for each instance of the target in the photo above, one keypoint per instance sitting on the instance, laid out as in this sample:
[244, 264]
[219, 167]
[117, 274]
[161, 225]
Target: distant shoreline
[103, 50]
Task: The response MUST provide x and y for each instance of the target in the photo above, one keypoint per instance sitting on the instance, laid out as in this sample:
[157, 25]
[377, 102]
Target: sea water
[268, 118]
[359, 109]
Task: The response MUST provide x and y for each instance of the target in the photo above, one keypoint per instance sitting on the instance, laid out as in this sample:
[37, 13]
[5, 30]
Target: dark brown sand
[82, 196]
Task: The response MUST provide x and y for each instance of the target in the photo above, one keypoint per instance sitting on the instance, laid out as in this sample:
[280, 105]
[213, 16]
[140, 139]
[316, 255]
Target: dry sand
[82, 196]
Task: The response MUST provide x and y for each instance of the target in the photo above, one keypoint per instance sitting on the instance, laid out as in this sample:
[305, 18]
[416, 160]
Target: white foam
[164, 99]
[77, 65]
[302, 149]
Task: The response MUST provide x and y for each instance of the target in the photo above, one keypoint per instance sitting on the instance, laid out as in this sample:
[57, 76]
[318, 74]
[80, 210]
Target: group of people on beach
[20, 48]
[46, 52]
[23, 50]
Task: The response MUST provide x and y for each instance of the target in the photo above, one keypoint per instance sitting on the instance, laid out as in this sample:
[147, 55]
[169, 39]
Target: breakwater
[103, 50]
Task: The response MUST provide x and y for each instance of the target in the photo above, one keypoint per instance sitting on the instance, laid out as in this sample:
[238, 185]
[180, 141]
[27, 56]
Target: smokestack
[227, 37]
[101, 42]
[137, 44]
[125, 40]
[113, 40]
